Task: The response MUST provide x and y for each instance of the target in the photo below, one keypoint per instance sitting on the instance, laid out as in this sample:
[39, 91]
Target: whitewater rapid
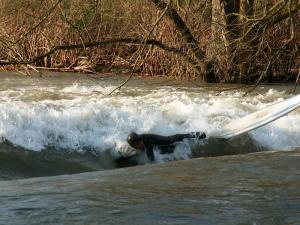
[76, 114]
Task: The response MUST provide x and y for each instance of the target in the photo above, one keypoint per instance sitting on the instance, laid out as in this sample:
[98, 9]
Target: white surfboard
[259, 118]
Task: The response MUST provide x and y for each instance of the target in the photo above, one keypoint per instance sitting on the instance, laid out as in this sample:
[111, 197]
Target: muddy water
[66, 124]
[258, 188]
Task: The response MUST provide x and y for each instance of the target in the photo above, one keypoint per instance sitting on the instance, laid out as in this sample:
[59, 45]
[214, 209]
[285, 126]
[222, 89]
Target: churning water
[62, 124]
[74, 114]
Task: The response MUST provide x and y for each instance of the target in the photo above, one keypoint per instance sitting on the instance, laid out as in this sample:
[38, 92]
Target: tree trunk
[247, 42]
[185, 32]
[224, 31]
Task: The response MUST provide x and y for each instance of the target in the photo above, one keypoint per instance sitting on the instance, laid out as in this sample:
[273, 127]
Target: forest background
[233, 41]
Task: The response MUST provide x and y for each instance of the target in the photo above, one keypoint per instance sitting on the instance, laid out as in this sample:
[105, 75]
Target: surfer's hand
[127, 153]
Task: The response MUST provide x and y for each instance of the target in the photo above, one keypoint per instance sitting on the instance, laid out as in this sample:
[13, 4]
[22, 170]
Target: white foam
[82, 119]
[182, 151]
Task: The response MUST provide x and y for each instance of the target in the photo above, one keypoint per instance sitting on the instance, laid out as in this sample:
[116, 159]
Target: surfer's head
[135, 140]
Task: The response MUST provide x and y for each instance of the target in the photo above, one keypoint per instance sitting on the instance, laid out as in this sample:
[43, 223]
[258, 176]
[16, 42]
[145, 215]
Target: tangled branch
[151, 42]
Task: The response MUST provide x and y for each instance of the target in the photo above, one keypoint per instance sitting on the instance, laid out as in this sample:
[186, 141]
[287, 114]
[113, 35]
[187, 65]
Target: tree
[237, 29]
[237, 45]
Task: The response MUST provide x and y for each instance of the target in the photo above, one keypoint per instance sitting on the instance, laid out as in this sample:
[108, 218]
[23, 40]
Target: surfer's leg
[180, 137]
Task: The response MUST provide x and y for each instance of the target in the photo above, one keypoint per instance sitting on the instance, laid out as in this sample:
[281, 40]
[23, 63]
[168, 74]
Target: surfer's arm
[159, 140]
[150, 153]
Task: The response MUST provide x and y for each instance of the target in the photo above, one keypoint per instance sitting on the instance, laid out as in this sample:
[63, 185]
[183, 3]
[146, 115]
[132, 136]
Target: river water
[64, 124]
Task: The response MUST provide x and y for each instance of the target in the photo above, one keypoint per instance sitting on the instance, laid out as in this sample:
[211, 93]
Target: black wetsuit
[166, 144]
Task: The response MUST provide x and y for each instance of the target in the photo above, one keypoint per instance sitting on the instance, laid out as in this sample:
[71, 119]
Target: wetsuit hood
[133, 138]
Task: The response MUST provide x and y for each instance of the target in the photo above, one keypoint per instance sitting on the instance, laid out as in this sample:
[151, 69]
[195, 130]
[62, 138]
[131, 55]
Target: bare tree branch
[182, 28]
[297, 81]
[280, 17]
[40, 22]
[152, 42]
[142, 48]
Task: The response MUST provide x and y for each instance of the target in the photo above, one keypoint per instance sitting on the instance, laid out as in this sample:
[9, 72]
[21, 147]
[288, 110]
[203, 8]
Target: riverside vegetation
[239, 41]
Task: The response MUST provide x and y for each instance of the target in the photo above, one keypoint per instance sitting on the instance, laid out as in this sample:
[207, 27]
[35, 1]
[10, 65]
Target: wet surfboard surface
[259, 118]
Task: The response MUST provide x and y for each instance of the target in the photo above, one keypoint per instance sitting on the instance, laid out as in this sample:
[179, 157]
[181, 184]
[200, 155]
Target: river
[68, 124]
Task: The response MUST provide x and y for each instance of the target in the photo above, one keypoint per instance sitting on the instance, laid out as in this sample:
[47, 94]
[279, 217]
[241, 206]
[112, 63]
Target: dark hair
[133, 138]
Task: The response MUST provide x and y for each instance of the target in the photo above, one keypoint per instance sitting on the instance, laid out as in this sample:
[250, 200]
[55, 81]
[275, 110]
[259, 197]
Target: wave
[79, 119]
[17, 162]
[102, 122]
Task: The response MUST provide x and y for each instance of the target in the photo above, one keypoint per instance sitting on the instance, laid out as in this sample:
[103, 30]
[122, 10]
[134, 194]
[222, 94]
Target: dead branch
[259, 79]
[297, 81]
[183, 29]
[142, 48]
[40, 22]
[152, 42]
[280, 17]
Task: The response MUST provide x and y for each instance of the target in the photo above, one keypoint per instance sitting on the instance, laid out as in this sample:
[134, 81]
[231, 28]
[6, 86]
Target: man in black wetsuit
[166, 144]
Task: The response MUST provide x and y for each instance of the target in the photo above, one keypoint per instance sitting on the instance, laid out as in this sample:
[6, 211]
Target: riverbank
[257, 188]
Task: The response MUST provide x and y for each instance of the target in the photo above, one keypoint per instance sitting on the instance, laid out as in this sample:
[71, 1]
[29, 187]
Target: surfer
[166, 144]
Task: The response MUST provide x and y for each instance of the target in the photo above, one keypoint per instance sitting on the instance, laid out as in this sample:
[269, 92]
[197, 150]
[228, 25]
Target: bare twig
[297, 81]
[105, 42]
[260, 78]
[233, 88]
[142, 49]
[40, 22]
[185, 32]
